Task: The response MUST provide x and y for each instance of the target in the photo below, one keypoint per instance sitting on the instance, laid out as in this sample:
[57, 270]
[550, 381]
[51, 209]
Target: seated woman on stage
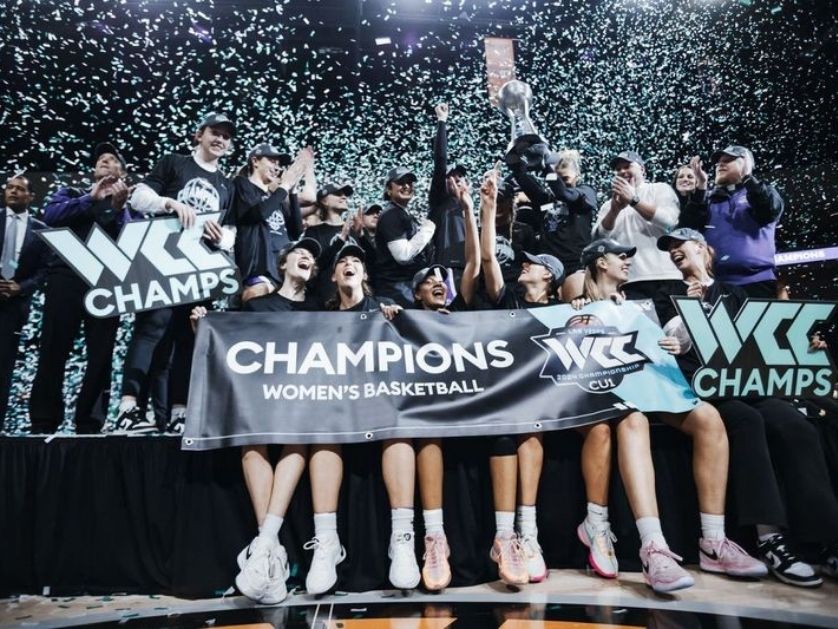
[516, 460]
[607, 264]
[772, 444]
[326, 467]
[263, 564]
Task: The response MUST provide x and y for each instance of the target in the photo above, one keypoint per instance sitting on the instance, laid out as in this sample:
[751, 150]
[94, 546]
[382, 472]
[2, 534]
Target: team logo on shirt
[589, 354]
[200, 195]
[276, 221]
[763, 351]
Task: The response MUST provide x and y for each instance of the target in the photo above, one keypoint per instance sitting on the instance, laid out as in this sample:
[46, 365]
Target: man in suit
[64, 313]
[23, 260]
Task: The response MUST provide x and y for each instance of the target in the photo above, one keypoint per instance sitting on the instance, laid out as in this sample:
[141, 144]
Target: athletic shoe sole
[745, 574]
[581, 534]
[506, 579]
[814, 582]
[681, 584]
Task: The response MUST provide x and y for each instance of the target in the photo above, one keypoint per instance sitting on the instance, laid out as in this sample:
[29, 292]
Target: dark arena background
[357, 80]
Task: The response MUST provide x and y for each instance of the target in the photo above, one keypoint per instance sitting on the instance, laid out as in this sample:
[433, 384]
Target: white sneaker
[534, 558]
[404, 571]
[264, 569]
[322, 575]
[277, 590]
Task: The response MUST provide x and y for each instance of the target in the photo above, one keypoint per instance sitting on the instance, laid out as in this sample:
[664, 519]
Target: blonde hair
[570, 158]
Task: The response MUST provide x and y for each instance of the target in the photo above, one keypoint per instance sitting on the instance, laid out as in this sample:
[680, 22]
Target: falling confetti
[668, 79]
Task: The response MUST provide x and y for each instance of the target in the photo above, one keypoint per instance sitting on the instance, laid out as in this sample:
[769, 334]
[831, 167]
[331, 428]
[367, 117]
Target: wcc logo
[153, 264]
[761, 351]
[589, 354]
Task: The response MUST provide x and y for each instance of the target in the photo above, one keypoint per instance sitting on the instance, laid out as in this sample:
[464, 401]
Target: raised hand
[102, 188]
[698, 171]
[119, 194]
[489, 186]
[441, 112]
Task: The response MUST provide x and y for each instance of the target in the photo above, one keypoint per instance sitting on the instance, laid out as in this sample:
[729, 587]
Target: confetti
[668, 79]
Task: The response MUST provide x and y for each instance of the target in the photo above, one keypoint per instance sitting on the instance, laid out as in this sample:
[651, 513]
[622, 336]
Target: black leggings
[776, 452]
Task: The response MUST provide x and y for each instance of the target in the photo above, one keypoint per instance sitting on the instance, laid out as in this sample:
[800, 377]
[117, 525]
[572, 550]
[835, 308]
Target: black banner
[347, 377]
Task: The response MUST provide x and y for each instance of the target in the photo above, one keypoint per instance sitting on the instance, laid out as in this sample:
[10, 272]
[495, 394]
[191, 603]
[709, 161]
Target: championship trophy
[527, 145]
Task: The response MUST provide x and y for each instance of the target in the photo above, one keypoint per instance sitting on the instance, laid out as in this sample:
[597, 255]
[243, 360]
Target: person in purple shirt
[64, 313]
[738, 218]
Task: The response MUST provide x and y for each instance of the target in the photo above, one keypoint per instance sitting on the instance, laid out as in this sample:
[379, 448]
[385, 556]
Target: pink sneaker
[661, 570]
[725, 557]
[508, 554]
[436, 573]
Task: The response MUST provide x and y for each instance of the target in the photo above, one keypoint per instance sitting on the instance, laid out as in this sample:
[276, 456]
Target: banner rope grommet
[537, 425]
[369, 435]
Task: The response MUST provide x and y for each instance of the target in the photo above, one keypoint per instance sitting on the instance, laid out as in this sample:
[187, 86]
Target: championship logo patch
[589, 354]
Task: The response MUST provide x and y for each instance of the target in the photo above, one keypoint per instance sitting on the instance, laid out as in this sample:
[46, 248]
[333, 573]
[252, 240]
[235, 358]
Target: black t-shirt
[179, 177]
[274, 302]
[514, 300]
[395, 224]
[733, 298]
[566, 227]
[265, 222]
[369, 304]
[330, 243]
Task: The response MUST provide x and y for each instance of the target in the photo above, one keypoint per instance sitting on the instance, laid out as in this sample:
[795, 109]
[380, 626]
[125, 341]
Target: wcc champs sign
[312, 377]
[153, 264]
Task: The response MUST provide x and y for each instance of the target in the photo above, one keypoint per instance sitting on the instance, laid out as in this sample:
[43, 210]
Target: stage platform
[568, 599]
[92, 516]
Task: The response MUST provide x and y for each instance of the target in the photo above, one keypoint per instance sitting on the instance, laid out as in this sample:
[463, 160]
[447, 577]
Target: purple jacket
[739, 223]
[70, 207]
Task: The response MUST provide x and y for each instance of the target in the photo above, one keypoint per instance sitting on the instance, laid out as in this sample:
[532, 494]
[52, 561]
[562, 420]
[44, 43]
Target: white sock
[526, 521]
[127, 405]
[767, 531]
[650, 531]
[178, 410]
[326, 526]
[504, 523]
[712, 526]
[270, 526]
[402, 520]
[597, 516]
[433, 521]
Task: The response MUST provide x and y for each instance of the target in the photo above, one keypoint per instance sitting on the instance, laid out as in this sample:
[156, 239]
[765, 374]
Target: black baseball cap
[734, 150]
[457, 169]
[332, 188]
[399, 173]
[551, 263]
[267, 149]
[422, 275]
[107, 147]
[682, 234]
[627, 156]
[309, 244]
[350, 249]
[216, 119]
[374, 208]
[600, 247]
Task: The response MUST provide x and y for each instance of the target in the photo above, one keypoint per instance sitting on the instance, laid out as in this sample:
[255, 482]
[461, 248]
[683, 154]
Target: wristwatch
[634, 200]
